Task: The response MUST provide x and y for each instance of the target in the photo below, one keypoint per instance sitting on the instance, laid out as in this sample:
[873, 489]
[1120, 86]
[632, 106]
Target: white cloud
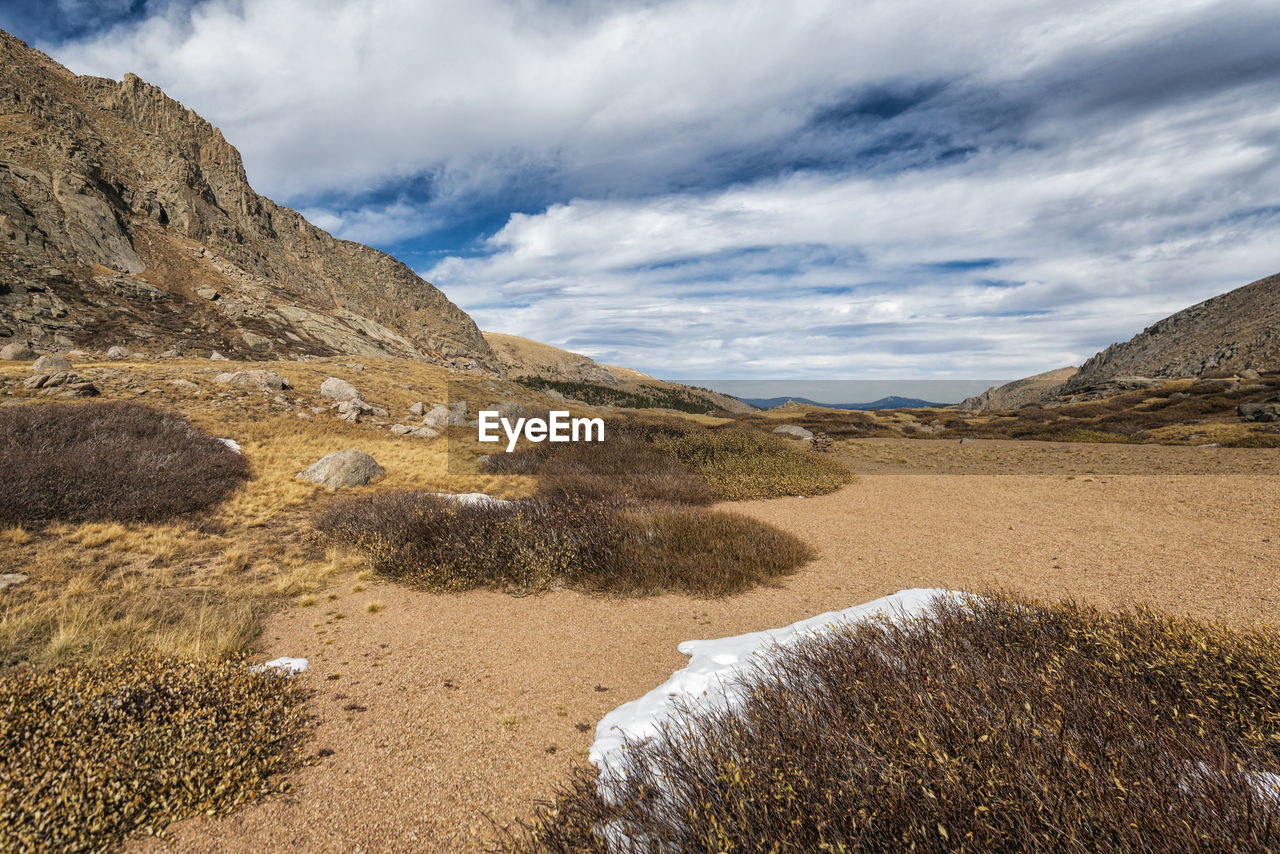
[1108, 150]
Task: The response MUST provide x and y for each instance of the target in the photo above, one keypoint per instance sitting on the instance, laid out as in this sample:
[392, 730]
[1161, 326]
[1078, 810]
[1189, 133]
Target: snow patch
[232, 444]
[284, 666]
[473, 498]
[715, 666]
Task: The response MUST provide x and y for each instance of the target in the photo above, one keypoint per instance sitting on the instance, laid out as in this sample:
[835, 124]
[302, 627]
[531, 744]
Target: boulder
[443, 416]
[418, 410]
[18, 351]
[207, 293]
[1259, 411]
[1250, 374]
[51, 362]
[180, 383]
[511, 410]
[263, 380]
[61, 383]
[793, 431]
[342, 468]
[118, 352]
[401, 429]
[338, 389]
[215, 356]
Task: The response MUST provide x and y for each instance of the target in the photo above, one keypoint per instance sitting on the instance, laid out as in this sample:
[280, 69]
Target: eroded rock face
[342, 469]
[102, 175]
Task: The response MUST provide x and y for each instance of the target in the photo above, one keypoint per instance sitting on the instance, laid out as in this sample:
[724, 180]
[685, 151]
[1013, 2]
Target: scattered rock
[52, 362]
[793, 431]
[11, 579]
[183, 384]
[118, 352]
[355, 366]
[511, 409]
[254, 340]
[215, 356]
[17, 352]
[264, 380]
[343, 468]
[966, 441]
[418, 410]
[207, 293]
[338, 389]
[401, 430]
[170, 354]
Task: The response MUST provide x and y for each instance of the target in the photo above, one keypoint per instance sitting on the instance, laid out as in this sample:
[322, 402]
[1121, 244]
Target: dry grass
[998, 724]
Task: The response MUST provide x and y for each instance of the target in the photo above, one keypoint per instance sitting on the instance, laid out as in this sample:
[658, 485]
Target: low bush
[93, 753]
[108, 462]
[559, 541]
[996, 724]
[741, 463]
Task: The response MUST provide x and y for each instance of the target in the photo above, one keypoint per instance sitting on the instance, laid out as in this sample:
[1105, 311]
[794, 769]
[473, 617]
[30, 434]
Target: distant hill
[1236, 331]
[890, 402]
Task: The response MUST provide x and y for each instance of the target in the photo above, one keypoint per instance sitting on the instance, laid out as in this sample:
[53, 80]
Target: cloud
[715, 187]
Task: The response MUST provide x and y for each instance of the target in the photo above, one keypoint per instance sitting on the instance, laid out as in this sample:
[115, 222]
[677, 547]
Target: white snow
[232, 444]
[716, 665]
[284, 665]
[473, 498]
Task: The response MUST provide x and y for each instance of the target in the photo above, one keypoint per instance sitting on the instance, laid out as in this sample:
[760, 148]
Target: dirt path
[442, 709]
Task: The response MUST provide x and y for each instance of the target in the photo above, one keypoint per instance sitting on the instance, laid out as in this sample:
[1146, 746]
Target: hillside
[890, 402]
[126, 219]
[1233, 332]
[579, 377]
[1012, 395]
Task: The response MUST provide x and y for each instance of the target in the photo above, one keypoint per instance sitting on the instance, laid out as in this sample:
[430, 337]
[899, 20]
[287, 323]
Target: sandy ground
[442, 711]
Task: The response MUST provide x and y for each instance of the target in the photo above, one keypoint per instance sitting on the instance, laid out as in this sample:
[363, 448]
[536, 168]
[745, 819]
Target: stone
[966, 441]
[511, 410]
[215, 356]
[61, 383]
[118, 352]
[207, 293]
[183, 384]
[51, 362]
[18, 351]
[254, 340]
[1250, 374]
[793, 431]
[401, 430]
[264, 380]
[424, 433]
[11, 579]
[1259, 412]
[441, 416]
[342, 469]
[418, 410]
[338, 389]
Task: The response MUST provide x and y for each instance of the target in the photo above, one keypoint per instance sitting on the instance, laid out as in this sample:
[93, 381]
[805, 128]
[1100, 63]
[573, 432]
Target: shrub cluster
[682, 399]
[741, 463]
[996, 724]
[108, 461]
[559, 541]
[93, 753]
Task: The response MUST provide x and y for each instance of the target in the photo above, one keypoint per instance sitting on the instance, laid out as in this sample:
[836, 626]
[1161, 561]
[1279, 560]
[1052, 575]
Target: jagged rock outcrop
[1237, 331]
[1019, 393]
[125, 216]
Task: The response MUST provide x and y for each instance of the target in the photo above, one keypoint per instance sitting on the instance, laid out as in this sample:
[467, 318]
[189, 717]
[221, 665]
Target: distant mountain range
[890, 402]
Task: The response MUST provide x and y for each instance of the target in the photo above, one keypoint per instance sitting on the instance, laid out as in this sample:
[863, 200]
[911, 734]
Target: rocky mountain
[126, 219]
[1018, 393]
[1233, 332]
[524, 357]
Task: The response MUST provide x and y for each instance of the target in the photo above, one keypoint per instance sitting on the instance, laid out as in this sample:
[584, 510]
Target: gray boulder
[1259, 411]
[18, 351]
[793, 431]
[263, 380]
[215, 356]
[443, 416]
[338, 389]
[342, 468]
[418, 410]
[118, 352]
[52, 362]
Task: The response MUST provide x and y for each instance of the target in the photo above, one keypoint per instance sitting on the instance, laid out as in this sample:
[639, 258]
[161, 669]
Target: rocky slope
[1033, 389]
[126, 219]
[1237, 331]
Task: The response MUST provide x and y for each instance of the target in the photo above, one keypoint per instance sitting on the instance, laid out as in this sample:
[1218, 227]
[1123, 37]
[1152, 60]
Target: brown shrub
[561, 540]
[742, 463]
[94, 753]
[108, 461]
[997, 724]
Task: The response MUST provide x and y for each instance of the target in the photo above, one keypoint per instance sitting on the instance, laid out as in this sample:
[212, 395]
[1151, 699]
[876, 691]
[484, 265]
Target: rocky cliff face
[1014, 395]
[1237, 331]
[125, 218]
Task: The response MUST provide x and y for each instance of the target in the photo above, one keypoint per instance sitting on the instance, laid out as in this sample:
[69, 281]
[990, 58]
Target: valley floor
[442, 711]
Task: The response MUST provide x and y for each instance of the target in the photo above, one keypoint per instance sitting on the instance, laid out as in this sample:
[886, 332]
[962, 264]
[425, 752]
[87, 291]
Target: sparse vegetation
[685, 399]
[109, 461]
[742, 463]
[94, 753]
[995, 724]
[559, 541]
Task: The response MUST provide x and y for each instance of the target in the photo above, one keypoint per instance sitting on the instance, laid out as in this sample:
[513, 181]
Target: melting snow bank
[473, 498]
[232, 444]
[283, 666]
[715, 666]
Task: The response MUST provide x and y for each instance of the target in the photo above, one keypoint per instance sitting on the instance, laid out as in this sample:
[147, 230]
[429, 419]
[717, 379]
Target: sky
[845, 190]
